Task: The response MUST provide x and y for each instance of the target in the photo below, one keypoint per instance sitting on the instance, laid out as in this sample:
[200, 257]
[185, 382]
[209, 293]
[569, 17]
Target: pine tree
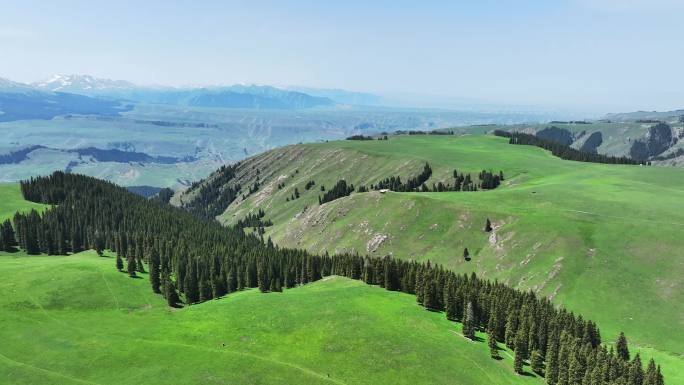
[621, 347]
[131, 266]
[450, 304]
[491, 342]
[469, 322]
[98, 243]
[660, 380]
[429, 292]
[488, 226]
[636, 371]
[190, 285]
[155, 279]
[551, 373]
[140, 266]
[7, 235]
[466, 254]
[170, 292]
[119, 263]
[577, 366]
[520, 352]
[651, 375]
[537, 362]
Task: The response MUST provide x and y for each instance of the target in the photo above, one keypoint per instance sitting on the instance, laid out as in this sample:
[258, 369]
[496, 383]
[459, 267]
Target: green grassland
[11, 201]
[603, 240]
[75, 320]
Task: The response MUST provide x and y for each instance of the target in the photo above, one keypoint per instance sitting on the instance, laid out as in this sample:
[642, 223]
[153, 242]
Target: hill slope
[75, 319]
[601, 239]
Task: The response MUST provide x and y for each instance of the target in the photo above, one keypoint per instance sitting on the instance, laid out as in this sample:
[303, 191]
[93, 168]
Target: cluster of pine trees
[562, 151]
[462, 182]
[341, 189]
[433, 132]
[200, 260]
[309, 185]
[214, 196]
[394, 183]
[254, 220]
[360, 137]
[295, 195]
[7, 239]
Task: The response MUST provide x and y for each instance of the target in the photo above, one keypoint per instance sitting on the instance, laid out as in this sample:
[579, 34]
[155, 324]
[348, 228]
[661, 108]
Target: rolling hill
[602, 240]
[76, 319]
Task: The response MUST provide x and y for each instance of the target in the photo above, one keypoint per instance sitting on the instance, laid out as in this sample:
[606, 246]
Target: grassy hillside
[604, 240]
[11, 201]
[75, 319]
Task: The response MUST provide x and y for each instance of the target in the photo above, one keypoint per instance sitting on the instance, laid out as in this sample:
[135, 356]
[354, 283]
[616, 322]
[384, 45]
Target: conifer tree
[450, 304]
[155, 279]
[488, 226]
[651, 375]
[469, 322]
[466, 254]
[170, 292]
[7, 235]
[577, 366]
[520, 352]
[551, 373]
[491, 342]
[140, 267]
[429, 294]
[98, 243]
[190, 286]
[119, 263]
[131, 266]
[659, 378]
[537, 362]
[621, 347]
[636, 371]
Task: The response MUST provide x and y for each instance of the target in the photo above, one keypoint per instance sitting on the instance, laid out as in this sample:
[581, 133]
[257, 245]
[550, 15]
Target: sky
[582, 55]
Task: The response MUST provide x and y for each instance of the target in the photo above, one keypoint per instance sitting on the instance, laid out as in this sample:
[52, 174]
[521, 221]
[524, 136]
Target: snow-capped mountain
[7, 85]
[82, 84]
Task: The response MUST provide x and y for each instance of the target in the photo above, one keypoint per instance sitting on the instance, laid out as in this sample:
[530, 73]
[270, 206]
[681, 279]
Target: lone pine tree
[488, 226]
[466, 254]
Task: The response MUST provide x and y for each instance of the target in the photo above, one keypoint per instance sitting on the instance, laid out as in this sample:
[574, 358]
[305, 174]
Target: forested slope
[601, 239]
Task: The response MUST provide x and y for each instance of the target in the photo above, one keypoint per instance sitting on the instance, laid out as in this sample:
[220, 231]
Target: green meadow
[11, 201]
[77, 320]
[603, 240]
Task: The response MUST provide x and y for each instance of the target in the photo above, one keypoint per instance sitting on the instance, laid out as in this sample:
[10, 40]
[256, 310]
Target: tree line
[562, 151]
[462, 182]
[193, 260]
[339, 190]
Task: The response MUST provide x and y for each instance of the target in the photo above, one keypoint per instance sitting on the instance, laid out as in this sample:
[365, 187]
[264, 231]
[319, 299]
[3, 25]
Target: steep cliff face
[658, 140]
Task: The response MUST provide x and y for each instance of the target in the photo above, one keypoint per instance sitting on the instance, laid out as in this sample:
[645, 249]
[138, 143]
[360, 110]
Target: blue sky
[600, 55]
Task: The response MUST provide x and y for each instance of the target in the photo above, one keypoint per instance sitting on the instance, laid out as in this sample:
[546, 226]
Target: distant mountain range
[236, 96]
[21, 101]
[87, 95]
